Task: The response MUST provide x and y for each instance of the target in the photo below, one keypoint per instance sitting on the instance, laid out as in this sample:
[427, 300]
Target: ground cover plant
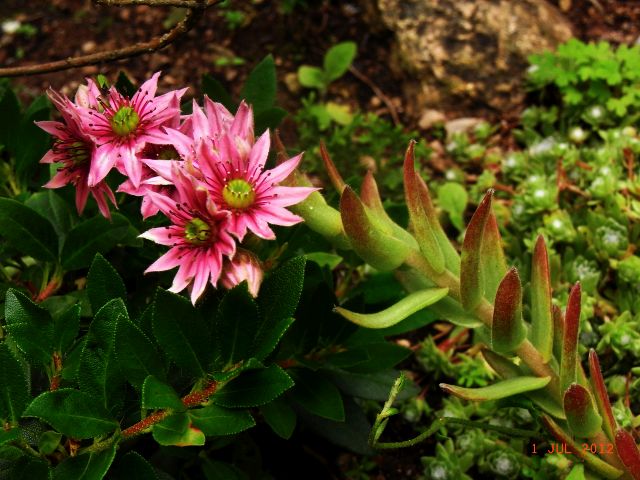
[186, 294]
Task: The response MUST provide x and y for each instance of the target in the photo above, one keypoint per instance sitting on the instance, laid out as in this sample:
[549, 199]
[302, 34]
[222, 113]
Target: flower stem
[191, 400]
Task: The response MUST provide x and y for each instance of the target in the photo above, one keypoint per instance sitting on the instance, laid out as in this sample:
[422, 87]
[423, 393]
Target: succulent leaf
[397, 312]
[628, 452]
[422, 221]
[492, 261]
[507, 369]
[503, 389]
[508, 329]
[582, 417]
[330, 167]
[471, 282]
[569, 360]
[541, 310]
[370, 237]
[370, 196]
[601, 395]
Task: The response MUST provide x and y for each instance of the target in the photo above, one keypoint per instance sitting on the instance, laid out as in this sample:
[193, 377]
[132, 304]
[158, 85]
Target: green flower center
[78, 152]
[125, 121]
[197, 232]
[238, 194]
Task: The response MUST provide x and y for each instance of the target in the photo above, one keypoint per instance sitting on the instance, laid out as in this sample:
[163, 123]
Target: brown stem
[155, 3]
[379, 93]
[48, 290]
[191, 400]
[57, 369]
[156, 43]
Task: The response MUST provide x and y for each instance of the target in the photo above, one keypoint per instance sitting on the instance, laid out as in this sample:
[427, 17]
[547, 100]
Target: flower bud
[244, 266]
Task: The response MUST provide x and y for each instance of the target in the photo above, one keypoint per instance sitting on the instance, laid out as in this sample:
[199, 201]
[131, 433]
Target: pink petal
[199, 122]
[278, 216]
[166, 205]
[286, 196]
[163, 235]
[132, 164]
[200, 279]
[219, 117]
[169, 260]
[51, 157]
[52, 128]
[259, 227]
[185, 274]
[259, 153]
[283, 170]
[82, 193]
[62, 178]
[104, 158]
[242, 125]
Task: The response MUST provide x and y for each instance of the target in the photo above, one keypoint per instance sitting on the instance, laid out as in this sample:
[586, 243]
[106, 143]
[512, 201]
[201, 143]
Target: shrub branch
[195, 11]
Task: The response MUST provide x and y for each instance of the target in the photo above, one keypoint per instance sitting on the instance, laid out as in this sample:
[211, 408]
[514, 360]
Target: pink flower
[153, 157]
[244, 266]
[238, 183]
[198, 238]
[123, 126]
[74, 150]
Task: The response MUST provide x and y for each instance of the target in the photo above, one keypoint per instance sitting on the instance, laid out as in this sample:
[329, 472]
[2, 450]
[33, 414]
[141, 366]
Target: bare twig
[156, 43]
[379, 93]
[157, 3]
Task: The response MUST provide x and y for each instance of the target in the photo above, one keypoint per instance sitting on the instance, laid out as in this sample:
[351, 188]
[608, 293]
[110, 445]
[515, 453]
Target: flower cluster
[204, 171]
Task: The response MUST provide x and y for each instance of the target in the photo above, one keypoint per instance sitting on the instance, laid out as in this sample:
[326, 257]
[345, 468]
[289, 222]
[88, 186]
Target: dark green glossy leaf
[236, 325]
[103, 283]
[157, 394]
[29, 468]
[7, 436]
[215, 470]
[136, 355]
[317, 394]
[98, 372]
[27, 231]
[132, 466]
[88, 466]
[280, 292]
[372, 386]
[65, 328]
[51, 206]
[216, 92]
[9, 115]
[176, 430]
[254, 388]
[33, 142]
[216, 420]
[96, 235]
[182, 332]
[280, 417]
[269, 119]
[351, 434]
[72, 412]
[260, 88]
[48, 442]
[14, 389]
[30, 326]
[269, 337]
